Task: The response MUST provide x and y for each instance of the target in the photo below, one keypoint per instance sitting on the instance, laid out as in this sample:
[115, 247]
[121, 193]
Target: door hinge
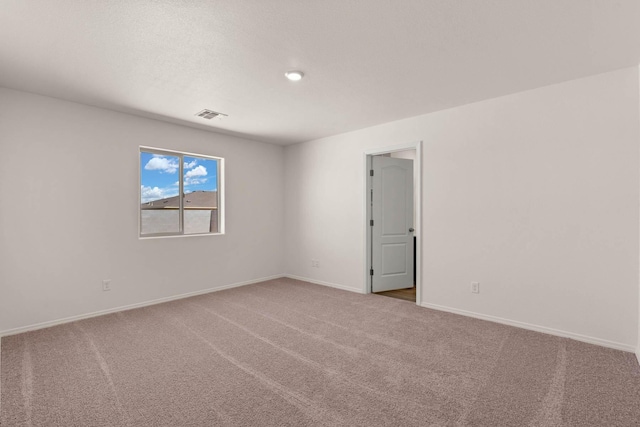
[371, 272]
[371, 222]
[371, 172]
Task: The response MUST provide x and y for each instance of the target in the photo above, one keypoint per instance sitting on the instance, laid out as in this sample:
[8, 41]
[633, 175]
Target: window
[164, 176]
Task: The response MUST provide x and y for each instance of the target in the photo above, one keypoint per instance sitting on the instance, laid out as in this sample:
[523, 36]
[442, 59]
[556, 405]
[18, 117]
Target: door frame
[366, 215]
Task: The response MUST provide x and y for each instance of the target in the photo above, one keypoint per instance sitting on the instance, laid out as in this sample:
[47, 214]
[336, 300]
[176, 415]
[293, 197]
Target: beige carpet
[289, 353]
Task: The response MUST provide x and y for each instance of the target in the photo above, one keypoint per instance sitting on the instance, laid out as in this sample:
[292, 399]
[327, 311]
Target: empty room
[320, 213]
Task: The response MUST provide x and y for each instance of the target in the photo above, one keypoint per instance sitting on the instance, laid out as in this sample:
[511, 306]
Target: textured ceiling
[366, 61]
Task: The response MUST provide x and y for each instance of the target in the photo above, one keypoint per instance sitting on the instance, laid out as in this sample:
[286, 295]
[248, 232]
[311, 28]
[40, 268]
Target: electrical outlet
[475, 287]
[106, 285]
[315, 263]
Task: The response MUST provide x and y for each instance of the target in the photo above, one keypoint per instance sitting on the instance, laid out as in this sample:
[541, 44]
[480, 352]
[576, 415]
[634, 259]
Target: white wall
[406, 154]
[69, 209]
[535, 195]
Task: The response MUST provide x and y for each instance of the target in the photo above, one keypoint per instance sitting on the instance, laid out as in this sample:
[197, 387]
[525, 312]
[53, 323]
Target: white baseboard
[130, 307]
[638, 354]
[537, 328]
[320, 282]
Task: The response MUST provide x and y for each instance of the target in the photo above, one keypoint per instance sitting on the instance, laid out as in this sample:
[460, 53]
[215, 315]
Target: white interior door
[392, 226]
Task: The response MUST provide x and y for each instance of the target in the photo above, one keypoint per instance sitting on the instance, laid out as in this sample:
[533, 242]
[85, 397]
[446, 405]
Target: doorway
[392, 221]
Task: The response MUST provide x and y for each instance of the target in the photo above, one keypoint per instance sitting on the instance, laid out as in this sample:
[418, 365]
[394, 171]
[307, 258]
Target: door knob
[411, 230]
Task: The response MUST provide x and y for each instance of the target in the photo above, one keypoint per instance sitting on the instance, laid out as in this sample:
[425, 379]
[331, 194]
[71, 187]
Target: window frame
[181, 155]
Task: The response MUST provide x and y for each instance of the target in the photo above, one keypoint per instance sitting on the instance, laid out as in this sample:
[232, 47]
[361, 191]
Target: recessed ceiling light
[294, 76]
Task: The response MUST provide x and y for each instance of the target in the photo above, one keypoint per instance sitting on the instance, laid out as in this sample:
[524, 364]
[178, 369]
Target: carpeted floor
[289, 353]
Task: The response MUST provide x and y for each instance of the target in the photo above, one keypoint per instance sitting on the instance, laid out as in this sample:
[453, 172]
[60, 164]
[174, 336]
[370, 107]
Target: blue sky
[159, 175]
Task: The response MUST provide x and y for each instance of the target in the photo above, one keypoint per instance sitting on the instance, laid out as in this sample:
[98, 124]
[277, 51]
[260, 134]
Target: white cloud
[148, 194]
[195, 176]
[195, 181]
[162, 164]
[190, 164]
[199, 171]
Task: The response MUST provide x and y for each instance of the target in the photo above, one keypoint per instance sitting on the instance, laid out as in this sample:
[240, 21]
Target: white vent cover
[208, 114]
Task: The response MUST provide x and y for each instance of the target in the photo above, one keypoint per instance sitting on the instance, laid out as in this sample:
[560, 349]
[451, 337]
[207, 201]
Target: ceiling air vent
[208, 114]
